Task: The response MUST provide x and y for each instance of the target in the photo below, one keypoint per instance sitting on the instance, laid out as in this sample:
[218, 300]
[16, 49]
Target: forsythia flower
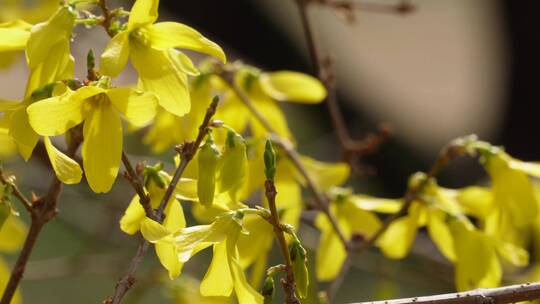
[174, 216]
[353, 218]
[185, 290]
[225, 273]
[100, 110]
[49, 60]
[13, 38]
[162, 69]
[264, 89]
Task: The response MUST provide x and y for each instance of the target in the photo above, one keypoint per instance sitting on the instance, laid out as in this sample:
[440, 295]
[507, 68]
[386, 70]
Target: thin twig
[16, 192]
[107, 17]
[187, 151]
[501, 295]
[447, 153]
[289, 284]
[43, 209]
[135, 182]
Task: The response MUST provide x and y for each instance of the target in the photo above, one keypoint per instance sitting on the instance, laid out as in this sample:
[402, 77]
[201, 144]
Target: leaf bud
[268, 290]
[269, 161]
[207, 159]
[299, 264]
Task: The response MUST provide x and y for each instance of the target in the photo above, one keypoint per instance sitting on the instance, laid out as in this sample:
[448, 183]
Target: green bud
[299, 263]
[268, 290]
[152, 175]
[5, 203]
[233, 164]
[207, 158]
[269, 161]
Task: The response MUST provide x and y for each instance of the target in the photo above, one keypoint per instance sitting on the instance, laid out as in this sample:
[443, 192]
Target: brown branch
[289, 284]
[449, 152]
[133, 178]
[43, 209]
[501, 295]
[402, 7]
[351, 150]
[107, 17]
[187, 151]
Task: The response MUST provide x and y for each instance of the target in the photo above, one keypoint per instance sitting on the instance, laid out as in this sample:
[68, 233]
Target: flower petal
[440, 233]
[102, 147]
[54, 116]
[67, 170]
[130, 222]
[116, 55]
[164, 35]
[158, 74]
[23, 134]
[292, 86]
[143, 12]
[245, 294]
[138, 107]
[12, 234]
[218, 279]
[12, 39]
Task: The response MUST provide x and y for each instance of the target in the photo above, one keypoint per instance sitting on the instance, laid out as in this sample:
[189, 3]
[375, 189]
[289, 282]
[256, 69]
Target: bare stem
[289, 284]
[187, 152]
[501, 295]
[134, 180]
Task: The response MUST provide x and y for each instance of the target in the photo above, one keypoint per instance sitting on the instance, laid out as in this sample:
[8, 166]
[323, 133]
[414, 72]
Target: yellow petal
[440, 233]
[330, 253]
[12, 234]
[174, 219]
[326, 175]
[164, 35]
[218, 279]
[54, 116]
[360, 221]
[102, 147]
[477, 265]
[139, 108]
[380, 205]
[116, 55]
[12, 39]
[168, 258]
[183, 63]
[159, 75]
[397, 241]
[512, 190]
[143, 12]
[274, 115]
[513, 254]
[245, 294]
[67, 170]
[46, 35]
[23, 134]
[292, 86]
[130, 222]
[257, 242]
[186, 189]
[476, 201]
[153, 231]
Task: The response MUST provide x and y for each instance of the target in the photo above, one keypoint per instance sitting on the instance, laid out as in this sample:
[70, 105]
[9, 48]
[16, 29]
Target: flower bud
[233, 164]
[268, 290]
[207, 158]
[269, 161]
[299, 263]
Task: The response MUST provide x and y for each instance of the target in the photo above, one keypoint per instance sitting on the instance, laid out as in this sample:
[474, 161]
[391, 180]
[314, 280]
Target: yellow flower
[162, 69]
[185, 290]
[353, 220]
[30, 11]
[134, 216]
[264, 89]
[477, 257]
[100, 110]
[225, 273]
[13, 38]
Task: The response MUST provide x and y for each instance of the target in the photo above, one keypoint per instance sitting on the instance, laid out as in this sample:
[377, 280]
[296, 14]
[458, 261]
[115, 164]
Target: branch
[351, 149]
[449, 152]
[187, 151]
[133, 178]
[18, 194]
[501, 295]
[42, 210]
[289, 285]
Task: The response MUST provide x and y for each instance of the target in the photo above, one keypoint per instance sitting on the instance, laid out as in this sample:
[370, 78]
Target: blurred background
[450, 68]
